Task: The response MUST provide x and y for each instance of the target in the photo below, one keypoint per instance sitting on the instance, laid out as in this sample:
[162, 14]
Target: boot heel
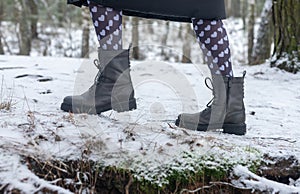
[236, 129]
[125, 106]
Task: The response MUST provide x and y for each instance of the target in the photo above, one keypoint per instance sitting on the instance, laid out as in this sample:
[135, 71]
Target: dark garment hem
[78, 3]
[173, 10]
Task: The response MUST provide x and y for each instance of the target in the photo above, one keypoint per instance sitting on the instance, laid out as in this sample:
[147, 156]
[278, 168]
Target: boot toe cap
[72, 99]
[68, 100]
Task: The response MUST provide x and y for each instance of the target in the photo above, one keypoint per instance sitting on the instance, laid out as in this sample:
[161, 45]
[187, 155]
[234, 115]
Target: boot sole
[236, 129]
[120, 107]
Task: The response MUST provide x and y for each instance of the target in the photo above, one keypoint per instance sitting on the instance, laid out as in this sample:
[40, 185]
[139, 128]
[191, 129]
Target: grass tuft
[8, 102]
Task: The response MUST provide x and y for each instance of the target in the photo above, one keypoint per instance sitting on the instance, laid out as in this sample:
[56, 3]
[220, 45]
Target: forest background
[53, 28]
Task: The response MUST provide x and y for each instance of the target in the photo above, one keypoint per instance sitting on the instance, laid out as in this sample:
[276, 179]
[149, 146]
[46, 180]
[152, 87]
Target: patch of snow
[16, 175]
[250, 180]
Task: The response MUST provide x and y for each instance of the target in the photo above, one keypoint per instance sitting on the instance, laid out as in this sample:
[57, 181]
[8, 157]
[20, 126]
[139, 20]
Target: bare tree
[135, 37]
[236, 8]
[24, 27]
[85, 33]
[1, 18]
[251, 23]
[33, 17]
[228, 7]
[244, 12]
[286, 16]
[186, 47]
[61, 13]
[1, 45]
[262, 47]
[233, 8]
[180, 31]
[164, 41]
[150, 27]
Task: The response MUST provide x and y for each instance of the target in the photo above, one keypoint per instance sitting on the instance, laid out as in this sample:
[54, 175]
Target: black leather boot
[225, 111]
[112, 89]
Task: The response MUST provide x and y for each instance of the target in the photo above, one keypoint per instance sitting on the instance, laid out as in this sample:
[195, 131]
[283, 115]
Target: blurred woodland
[53, 28]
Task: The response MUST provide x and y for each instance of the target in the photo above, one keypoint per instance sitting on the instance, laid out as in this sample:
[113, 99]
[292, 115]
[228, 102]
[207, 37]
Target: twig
[229, 184]
[128, 185]
[5, 43]
[279, 138]
[55, 181]
[212, 185]
[185, 132]
[56, 167]
[196, 190]
[3, 187]
[171, 126]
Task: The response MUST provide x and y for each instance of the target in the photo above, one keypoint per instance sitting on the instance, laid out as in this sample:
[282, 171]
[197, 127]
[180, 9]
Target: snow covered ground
[144, 140]
[146, 137]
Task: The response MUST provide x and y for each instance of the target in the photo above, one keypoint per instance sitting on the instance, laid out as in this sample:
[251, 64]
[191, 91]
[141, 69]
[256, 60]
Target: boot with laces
[112, 88]
[225, 111]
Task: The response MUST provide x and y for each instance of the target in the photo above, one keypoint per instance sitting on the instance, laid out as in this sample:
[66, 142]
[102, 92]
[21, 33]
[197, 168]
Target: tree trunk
[233, 8]
[286, 16]
[228, 7]
[1, 18]
[24, 28]
[1, 45]
[33, 17]
[244, 12]
[150, 27]
[236, 8]
[1, 11]
[135, 38]
[262, 48]
[186, 48]
[85, 34]
[61, 13]
[164, 41]
[180, 31]
[251, 23]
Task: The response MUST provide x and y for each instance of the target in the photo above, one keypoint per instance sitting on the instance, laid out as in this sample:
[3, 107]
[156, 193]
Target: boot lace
[99, 77]
[209, 86]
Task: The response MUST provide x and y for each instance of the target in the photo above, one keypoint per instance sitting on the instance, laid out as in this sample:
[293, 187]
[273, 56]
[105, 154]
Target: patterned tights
[211, 36]
[108, 26]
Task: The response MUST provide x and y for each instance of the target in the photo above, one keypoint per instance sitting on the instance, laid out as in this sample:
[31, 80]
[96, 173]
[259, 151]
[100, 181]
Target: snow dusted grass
[5, 101]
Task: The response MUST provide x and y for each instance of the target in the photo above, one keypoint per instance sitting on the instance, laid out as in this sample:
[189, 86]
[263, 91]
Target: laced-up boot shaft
[225, 111]
[112, 88]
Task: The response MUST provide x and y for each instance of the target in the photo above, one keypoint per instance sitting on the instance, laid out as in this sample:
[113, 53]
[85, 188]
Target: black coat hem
[173, 10]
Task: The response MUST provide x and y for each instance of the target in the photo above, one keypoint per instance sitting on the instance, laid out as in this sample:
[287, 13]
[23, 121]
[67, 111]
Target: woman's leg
[113, 87]
[226, 111]
[108, 26]
[214, 43]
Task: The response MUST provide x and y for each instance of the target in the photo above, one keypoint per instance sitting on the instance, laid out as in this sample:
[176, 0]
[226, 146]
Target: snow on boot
[225, 111]
[112, 88]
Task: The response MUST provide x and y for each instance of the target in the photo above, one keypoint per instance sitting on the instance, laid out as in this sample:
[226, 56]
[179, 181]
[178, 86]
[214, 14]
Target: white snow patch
[250, 180]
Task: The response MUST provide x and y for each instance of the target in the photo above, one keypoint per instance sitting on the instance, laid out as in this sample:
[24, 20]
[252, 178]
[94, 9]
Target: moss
[183, 179]
[189, 171]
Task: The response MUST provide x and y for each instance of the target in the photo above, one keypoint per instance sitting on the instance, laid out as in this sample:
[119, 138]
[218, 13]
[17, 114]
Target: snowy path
[36, 125]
